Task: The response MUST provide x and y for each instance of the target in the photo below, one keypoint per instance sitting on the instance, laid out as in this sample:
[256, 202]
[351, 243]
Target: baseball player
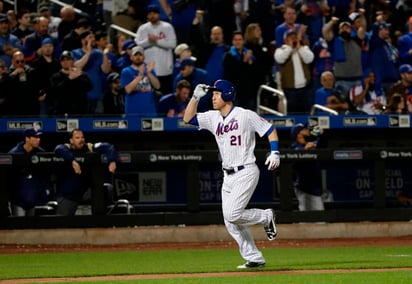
[234, 129]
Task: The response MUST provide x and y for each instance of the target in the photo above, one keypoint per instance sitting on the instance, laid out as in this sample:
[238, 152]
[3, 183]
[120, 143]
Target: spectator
[12, 18]
[261, 51]
[140, 81]
[367, 97]
[158, 38]
[194, 75]
[289, 24]
[307, 179]
[348, 68]
[32, 43]
[102, 42]
[30, 183]
[22, 88]
[396, 105]
[72, 40]
[96, 64]
[323, 60]
[45, 66]
[405, 44]
[404, 85]
[123, 60]
[113, 99]
[74, 180]
[69, 87]
[262, 13]
[181, 51]
[174, 104]
[210, 53]
[311, 15]
[240, 68]
[181, 19]
[54, 22]
[328, 96]
[294, 59]
[383, 55]
[68, 23]
[24, 27]
[9, 43]
[358, 21]
[165, 9]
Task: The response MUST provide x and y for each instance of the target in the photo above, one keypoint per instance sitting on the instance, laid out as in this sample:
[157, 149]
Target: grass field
[367, 264]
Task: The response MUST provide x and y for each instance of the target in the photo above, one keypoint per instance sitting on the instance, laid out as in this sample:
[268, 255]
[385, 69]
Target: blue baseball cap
[405, 68]
[3, 18]
[128, 44]
[296, 129]
[153, 8]
[47, 40]
[31, 132]
[187, 61]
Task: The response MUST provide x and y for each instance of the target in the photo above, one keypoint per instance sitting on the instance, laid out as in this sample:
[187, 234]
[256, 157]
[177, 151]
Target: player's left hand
[273, 160]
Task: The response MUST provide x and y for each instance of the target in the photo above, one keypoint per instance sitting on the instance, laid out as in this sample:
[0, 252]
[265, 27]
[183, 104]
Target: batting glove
[273, 160]
[200, 91]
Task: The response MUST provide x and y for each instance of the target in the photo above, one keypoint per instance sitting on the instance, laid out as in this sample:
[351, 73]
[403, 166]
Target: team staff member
[307, 179]
[234, 129]
[74, 180]
[30, 183]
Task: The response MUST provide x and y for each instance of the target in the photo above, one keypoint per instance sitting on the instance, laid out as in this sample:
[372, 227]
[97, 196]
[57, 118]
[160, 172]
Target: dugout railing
[193, 212]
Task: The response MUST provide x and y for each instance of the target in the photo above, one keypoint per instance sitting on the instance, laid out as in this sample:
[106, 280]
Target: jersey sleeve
[258, 123]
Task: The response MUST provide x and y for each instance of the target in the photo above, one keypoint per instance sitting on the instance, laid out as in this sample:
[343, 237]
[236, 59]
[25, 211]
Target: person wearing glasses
[21, 88]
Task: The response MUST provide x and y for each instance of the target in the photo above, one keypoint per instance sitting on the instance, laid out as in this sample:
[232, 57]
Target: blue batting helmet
[227, 88]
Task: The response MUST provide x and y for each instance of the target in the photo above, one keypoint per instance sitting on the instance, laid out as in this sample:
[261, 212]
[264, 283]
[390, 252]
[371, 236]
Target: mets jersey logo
[222, 128]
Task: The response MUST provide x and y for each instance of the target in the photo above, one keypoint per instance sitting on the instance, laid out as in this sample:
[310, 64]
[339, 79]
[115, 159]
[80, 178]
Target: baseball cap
[187, 61]
[405, 68]
[66, 55]
[295, 130]
[47, 40]
[344, 24]
[137, 49]
[44, 8]
[153, 8]
[353, 16]
[288, 33]
[128, 43]
[112, 77]
[384, 25]
[31, 132]
[3, 18]
[180, 48]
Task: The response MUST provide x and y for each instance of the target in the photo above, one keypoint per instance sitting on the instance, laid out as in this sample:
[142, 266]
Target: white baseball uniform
[236, 139]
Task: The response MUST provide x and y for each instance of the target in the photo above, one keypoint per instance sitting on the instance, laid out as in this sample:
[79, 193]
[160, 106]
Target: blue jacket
[71, 185]
[30, 183]
[307, 174]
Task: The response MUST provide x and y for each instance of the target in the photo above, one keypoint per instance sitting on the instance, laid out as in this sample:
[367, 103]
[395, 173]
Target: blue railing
[138, 123]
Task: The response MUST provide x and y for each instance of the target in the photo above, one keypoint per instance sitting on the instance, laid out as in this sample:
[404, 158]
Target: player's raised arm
[191, 109]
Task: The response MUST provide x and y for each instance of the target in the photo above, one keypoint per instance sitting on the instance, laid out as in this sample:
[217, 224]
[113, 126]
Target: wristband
[274, 147]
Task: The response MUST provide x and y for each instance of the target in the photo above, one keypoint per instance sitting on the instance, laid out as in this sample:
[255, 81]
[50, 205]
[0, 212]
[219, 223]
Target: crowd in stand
[351, 56]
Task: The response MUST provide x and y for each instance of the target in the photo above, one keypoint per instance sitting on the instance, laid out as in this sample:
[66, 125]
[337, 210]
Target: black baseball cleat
[271, 228]
[251, 264]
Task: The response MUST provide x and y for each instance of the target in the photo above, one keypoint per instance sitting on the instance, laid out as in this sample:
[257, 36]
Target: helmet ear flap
[227, 88]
